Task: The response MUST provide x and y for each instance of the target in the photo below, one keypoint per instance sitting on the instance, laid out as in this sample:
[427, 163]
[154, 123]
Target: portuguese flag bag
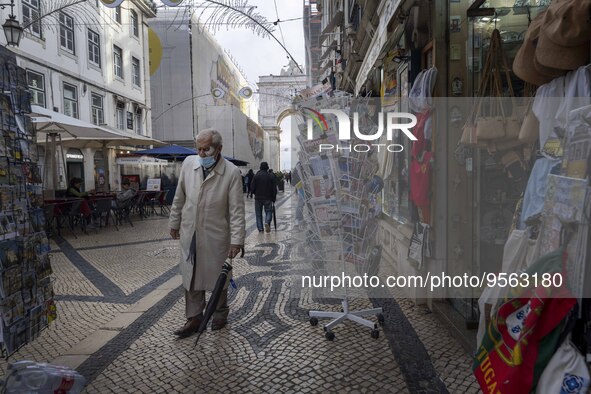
[522, 337]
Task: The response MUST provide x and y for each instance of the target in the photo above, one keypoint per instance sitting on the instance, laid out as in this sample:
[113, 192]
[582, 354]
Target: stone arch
[275, 104]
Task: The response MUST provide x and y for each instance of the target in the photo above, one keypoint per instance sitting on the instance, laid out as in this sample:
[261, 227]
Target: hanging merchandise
[565, 36]
[423, 122]
[530, 128]
[420, 181]
[495, 124]
[420, 95]
[420, 244]
[490, 124]
[577, 94]
[524, 63]
[566, 372]
[535, 192]
[577, 162]
[514, 260]
[545, 107]
[566, 208]
[522, 335]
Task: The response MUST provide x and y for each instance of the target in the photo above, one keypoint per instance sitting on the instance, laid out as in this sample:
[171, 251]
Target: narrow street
[119, 299]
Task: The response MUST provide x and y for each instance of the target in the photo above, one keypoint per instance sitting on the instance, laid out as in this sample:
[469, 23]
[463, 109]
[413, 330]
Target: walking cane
[215, 295]
[274, 217]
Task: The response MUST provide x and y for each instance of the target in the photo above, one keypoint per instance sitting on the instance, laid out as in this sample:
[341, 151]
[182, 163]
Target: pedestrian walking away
[264, 188]
[207, 216]
[248, 179]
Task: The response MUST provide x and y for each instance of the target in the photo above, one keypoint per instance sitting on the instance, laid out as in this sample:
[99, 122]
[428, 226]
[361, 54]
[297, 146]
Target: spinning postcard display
[26, 291]
[340, 204]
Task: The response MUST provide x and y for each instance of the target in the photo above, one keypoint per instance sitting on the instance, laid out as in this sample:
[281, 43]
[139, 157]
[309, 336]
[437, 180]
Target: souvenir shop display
[26, 291]
[537, 335]
[341, 193]
[421, 163]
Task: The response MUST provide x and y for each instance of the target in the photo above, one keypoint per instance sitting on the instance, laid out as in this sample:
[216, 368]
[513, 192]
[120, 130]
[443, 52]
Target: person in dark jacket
[74, 189]
[248, 180]
[264, 188]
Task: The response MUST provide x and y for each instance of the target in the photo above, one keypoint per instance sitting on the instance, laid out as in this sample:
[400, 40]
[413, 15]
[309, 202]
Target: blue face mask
[207, 161]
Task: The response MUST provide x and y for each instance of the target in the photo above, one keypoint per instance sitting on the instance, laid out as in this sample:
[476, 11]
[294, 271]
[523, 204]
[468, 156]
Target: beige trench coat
[214, 210]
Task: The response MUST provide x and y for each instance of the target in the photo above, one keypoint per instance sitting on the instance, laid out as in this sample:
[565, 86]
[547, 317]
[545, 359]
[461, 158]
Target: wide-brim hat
[565, 35]
[551, 55]
[523, 64]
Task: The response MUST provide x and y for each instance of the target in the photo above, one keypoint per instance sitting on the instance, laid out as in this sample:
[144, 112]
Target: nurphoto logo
[393, 125]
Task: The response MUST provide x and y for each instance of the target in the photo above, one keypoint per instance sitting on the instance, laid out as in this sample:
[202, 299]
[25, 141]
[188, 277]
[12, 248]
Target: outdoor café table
[59, 210]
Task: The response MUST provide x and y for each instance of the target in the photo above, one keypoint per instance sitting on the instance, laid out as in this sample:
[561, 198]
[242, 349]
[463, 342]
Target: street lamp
[12, 29]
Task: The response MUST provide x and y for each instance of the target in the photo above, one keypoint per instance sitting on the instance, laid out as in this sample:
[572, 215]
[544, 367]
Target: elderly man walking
[207, 215]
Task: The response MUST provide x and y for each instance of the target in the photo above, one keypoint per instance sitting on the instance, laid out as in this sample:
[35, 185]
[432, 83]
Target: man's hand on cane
[235, 250]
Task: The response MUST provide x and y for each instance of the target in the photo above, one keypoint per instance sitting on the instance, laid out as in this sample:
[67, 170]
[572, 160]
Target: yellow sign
[155, 51]
[112, 3]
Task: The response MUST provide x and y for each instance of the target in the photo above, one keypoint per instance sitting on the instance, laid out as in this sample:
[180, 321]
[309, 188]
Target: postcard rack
[26, 289]
[341, 203]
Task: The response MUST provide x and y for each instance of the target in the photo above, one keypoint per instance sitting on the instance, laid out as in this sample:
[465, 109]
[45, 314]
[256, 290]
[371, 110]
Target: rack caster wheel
[375, 334]
[381, 319]
[313, 321]
[329, 335]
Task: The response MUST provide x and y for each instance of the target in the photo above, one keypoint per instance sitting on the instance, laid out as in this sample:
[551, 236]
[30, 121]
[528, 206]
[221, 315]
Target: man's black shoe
[189, 328]
[218, 324]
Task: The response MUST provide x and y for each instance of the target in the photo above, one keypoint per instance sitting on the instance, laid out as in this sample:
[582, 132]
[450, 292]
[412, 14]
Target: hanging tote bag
[525, 327]
[530, 129]
[565, 373]
[496, 124]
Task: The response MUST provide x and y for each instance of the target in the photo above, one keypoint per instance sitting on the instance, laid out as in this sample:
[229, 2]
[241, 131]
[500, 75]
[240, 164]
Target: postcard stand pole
[336, 231]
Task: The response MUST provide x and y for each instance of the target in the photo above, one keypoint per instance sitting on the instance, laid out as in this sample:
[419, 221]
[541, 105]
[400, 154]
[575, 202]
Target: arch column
[274, 148]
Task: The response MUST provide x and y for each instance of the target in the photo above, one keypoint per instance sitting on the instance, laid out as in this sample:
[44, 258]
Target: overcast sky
[258, 56]
[263, 56]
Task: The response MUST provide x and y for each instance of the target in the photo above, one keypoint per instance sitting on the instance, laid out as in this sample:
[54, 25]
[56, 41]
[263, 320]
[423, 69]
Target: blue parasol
[175, 152]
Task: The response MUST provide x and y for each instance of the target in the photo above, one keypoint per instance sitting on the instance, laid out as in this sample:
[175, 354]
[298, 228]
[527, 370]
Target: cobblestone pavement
[107, 278]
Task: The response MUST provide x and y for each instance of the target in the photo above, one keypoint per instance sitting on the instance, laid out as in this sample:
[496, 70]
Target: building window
[66, 32]
[70, 100]
[118, 61]
[98, 116]
[31, 17]
[135, 71]
[120, 114]
[118, 14]
[36, 84]
[94, 48]
[138, 121]
[130, 120]
[135, 29]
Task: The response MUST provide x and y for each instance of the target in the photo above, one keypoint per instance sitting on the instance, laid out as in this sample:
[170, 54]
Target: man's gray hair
[216, 137]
